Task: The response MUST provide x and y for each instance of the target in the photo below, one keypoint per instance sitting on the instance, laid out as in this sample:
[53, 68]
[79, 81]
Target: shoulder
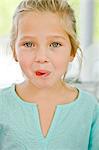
[87, 102]
[5, 94]
[5, 91]
[87, 97]
[91, 102]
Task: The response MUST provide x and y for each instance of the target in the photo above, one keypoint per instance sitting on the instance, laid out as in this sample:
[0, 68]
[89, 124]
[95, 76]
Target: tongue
[39, 73]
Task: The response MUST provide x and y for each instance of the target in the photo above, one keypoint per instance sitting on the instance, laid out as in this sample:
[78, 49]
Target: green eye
[28, 44]
[55, 44]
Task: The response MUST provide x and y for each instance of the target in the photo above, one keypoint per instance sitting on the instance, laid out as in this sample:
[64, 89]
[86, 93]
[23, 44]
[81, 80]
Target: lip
[42, 73]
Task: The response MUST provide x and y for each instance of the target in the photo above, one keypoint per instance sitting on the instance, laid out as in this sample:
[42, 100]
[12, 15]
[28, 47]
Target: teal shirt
[75, 126]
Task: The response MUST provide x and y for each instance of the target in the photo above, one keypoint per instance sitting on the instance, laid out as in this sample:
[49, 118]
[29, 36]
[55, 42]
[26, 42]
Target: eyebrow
[58, 36]
[51, 36]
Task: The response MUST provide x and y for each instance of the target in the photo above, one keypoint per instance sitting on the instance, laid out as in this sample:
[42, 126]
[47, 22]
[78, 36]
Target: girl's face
[42, 48]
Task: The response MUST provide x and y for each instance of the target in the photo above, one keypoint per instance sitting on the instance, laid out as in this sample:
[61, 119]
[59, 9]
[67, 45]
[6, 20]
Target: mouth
[42, 73]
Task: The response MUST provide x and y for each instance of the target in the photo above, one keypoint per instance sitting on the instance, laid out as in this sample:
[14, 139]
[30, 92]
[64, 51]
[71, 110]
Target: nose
[41, 56]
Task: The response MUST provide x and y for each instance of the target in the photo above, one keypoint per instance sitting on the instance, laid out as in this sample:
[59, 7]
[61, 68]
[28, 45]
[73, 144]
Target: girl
[43, 112]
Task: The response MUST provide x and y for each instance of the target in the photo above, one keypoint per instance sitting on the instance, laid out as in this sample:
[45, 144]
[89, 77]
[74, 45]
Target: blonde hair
[60, 7]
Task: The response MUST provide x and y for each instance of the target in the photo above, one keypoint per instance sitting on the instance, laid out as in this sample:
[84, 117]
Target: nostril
[41, 61]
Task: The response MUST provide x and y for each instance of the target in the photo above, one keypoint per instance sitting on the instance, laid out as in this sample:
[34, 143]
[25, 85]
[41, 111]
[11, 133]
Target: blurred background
[87, 17]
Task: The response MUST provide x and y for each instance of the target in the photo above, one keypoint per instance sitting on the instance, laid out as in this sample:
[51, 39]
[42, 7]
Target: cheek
[24, 64]
[24, 60]
[61, 62]
[61, 67]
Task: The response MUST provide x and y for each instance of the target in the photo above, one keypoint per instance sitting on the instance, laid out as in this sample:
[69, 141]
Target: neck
[43, 93]
[53, 95]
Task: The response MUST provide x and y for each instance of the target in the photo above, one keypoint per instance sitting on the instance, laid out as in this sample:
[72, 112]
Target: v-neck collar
[52, 123]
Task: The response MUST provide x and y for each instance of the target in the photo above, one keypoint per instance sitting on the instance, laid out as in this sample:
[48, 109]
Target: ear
[14, 54]
[71, 58]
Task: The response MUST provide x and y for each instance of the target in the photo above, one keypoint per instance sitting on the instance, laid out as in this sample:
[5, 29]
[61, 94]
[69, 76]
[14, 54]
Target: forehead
[40, 22]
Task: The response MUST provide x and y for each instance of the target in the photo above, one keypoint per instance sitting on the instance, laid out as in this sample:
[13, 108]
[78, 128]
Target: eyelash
[31, 44]
[25, 44]
[59, 44]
